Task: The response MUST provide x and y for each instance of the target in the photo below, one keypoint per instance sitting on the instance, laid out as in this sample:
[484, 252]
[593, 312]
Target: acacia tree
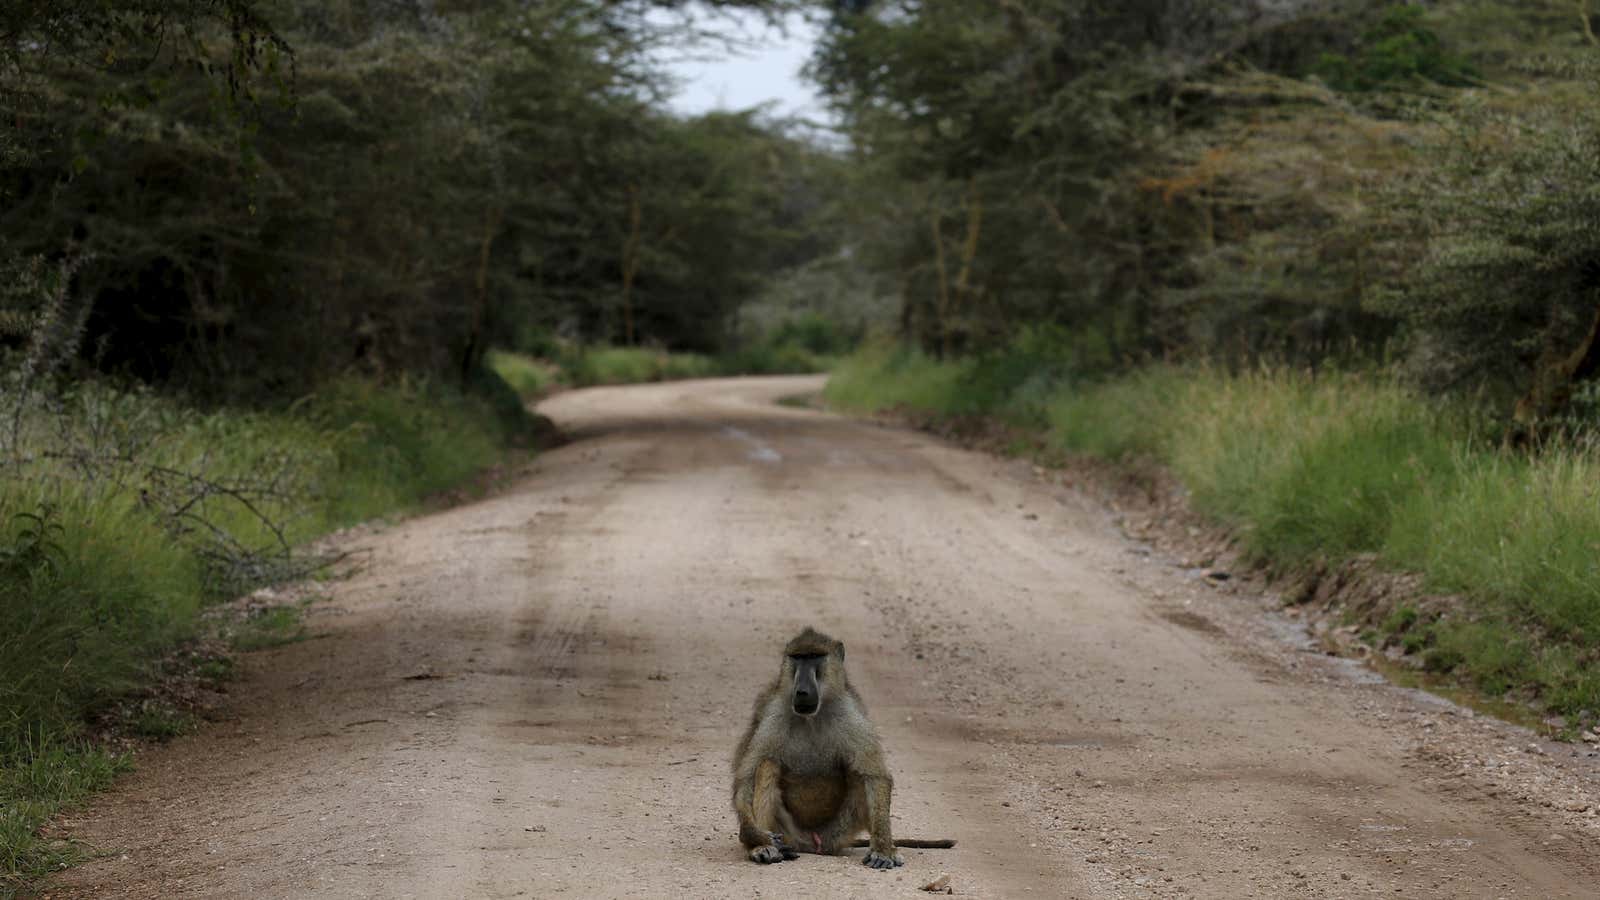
[1012, 130]
[448, 176]
[131, 49]
[1508, 291]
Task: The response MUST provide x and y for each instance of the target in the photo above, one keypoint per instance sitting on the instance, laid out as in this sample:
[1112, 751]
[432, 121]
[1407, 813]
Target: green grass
[36, 780]
[529, 377]
[272, 627]
[1320, 468]
[632, 365]
[93, 589]
[160, 721]
[533, 378]
[881, 379]
[774, 359]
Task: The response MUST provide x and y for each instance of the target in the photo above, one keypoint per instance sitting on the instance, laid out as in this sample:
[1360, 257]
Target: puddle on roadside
[1436, 688]
[1191, 620]
[759, 450]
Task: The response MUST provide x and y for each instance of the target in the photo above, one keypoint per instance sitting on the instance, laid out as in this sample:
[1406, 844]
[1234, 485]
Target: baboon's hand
[883, 860]
[788, 850]
[768, 854]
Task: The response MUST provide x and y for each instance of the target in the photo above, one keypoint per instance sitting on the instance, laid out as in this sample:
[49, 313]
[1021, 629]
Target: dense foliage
[1184, 179]
[1510, 213]
[427, 184]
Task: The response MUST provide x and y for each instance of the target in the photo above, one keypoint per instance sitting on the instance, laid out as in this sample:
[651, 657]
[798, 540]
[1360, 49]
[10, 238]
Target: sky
[766, 70]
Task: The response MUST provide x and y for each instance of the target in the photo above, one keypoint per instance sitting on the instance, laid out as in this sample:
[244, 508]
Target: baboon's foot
[883, 860]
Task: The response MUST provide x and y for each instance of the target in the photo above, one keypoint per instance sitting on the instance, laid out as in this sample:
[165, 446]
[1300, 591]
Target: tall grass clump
[634, 365]
[773, 359]
[1320, 468]
[887, 377]
[1016, 383]
[89, 592]
[37, 779]
[1307, 466]
[1522, 532]
[529, 377]
[1118, 419]
[1332, 466]
[638, 365]
[799, 345]
[387, 447]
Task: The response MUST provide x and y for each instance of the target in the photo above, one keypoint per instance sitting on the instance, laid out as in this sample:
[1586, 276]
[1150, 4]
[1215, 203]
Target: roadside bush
[634, 365]
[1119, 419]
[527, 375]
[1398, 49]
[1313, 466]
[637, 365]
[815, 334]
[37, 779]
[1017, 382]
[889, 376]
[393, 445]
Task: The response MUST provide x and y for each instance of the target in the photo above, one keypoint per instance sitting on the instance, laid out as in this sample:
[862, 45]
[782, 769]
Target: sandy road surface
[1086, 718]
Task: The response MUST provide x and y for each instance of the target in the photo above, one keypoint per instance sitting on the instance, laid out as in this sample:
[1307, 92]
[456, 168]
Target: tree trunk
[969, 247]
[908, 320]
[480, 306]
[944, 285]
[630, 263]
[1554, 382]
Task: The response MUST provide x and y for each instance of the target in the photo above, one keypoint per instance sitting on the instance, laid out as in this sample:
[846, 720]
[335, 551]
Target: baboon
[809, 774]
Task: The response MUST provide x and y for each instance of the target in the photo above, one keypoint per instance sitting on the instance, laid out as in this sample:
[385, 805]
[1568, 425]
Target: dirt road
[537, 695]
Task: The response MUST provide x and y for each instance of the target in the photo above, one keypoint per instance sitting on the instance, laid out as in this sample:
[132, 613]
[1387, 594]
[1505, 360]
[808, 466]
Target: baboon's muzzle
[807, 696]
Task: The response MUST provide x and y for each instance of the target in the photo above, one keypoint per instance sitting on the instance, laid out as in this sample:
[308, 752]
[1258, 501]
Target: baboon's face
[810, 673]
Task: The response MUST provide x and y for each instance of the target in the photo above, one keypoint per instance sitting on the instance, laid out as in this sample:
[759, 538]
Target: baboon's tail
[913, 843]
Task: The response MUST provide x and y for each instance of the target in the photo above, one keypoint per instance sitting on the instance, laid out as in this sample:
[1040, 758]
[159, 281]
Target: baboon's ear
[841, 651]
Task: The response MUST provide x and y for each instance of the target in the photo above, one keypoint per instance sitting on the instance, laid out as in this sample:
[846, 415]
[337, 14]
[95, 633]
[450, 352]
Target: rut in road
[1084, 720]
